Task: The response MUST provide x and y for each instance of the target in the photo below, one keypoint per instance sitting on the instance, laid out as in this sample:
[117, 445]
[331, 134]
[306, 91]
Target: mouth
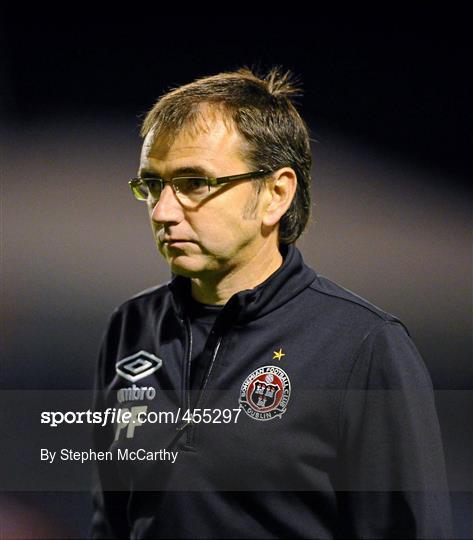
[175, 242]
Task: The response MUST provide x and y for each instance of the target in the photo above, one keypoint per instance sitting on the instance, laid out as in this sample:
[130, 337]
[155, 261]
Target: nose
[168, 208]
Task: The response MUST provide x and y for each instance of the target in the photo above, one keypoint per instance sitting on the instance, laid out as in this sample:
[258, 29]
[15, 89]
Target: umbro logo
[138, 366]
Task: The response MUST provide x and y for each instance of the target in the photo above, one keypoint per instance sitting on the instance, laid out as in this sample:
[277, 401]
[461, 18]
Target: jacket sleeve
[392, 479]
[109, 519]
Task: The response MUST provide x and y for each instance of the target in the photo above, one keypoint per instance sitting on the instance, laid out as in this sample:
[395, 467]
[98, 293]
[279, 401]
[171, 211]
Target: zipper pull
[185, 424]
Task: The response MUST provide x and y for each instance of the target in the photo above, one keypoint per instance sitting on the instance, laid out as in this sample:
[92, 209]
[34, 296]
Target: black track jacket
[336, 435]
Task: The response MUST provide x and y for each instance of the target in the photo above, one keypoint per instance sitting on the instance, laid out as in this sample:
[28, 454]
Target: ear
[280, 191]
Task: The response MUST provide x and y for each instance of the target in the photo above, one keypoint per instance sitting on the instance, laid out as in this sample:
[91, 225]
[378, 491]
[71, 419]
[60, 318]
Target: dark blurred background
[388, 103]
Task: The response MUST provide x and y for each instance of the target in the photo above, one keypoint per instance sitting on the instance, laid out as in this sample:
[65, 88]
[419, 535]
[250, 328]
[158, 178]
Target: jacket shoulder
[135, 313]
[142, 306]
[336, 297]
[144, 297]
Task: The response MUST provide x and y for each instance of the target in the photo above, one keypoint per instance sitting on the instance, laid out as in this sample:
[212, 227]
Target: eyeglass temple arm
[224, 179]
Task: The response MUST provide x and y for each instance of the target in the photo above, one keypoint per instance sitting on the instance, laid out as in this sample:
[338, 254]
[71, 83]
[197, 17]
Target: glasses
[188, 189]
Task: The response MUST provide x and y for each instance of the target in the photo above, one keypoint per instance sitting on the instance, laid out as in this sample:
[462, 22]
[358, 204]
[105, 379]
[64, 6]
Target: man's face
[223, 232]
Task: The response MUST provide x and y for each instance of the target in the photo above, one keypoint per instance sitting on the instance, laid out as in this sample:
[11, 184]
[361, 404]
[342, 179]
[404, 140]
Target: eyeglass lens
[192, 188]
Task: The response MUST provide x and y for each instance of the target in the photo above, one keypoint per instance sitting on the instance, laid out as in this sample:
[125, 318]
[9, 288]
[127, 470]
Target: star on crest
[278, 354]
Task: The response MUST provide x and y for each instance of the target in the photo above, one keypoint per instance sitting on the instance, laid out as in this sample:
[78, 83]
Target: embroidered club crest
[265, 393]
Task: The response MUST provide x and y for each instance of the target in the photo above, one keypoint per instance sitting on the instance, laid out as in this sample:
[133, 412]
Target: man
[265, 400]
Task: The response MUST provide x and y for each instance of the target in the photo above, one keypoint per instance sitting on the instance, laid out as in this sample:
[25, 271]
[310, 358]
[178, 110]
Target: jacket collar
[291, 278]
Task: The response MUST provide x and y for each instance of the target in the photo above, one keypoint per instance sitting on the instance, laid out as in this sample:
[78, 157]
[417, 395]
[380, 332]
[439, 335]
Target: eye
[194, 185]
[153, 186]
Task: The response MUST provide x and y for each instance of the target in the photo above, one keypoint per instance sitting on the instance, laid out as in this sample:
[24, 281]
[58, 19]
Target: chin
[185, 266]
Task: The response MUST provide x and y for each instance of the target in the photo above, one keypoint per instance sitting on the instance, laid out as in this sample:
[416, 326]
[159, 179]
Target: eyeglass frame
[212, 181]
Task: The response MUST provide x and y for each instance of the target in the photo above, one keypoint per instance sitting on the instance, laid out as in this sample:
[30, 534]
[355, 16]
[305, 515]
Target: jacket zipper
[187, 393]
[186, 399]
[187, 377]
[200, 397]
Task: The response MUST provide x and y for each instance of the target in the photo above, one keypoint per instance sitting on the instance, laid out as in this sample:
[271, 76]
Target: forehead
[210, 141]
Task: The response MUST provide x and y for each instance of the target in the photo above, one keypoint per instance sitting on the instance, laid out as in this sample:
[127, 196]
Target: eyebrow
[180, 171]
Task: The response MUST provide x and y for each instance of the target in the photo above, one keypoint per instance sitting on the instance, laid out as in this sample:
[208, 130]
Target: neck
[246, 276]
